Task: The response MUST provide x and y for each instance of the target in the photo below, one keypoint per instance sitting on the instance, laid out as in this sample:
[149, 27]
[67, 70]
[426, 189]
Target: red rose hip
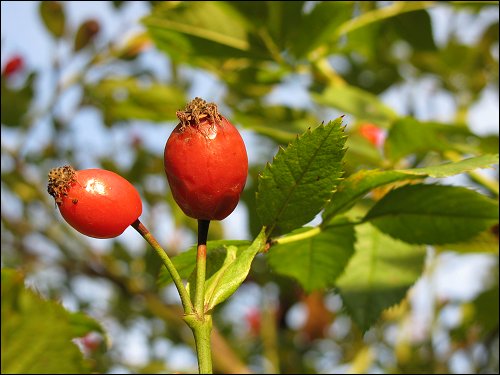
[96, 202]
[206, 162]
[13, 65]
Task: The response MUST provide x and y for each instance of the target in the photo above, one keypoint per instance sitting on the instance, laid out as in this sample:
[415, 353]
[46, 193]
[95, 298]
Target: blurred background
[97, 84]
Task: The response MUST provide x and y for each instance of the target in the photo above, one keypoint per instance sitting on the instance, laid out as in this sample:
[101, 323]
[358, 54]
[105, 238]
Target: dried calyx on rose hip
[206, 162]
[96, 202]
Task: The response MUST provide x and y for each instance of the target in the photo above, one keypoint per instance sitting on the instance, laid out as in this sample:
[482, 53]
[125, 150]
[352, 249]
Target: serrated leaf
[317, 261]
[53, 17]
[356, 102]
[124, 99]
[433, 214]
[223, 283]
[378, 275]
[185, 262]
[351, 189]
[37, 333]
[295, 187]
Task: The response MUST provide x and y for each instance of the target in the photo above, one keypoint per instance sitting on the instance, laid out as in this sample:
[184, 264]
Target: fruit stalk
[144, 232]
[201, 266]
[202, 326]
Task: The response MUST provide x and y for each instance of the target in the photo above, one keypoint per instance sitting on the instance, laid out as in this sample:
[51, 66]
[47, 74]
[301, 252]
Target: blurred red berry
[14, 65]
[253, 318]
[372, 133]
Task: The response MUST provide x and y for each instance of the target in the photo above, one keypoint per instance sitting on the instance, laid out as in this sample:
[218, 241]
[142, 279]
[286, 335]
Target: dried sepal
[60, 180]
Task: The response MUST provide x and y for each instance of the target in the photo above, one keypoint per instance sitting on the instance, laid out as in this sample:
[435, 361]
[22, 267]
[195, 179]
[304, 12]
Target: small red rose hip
[206, 162]
[96, 202]
[13, 65]
[372, 133]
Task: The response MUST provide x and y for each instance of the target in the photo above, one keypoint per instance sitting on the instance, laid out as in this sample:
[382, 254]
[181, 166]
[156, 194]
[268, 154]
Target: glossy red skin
[101, 203]
[206, 167]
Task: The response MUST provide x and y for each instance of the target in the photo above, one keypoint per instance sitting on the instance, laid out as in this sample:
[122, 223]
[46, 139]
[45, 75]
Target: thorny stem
[186, 302]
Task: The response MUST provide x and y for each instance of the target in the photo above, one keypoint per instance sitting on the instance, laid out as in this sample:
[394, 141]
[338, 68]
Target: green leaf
[278, 20]
[193, 31]
[486, 309]
[37, 334]
[361, 152]
[356, 186]
[358, 103]
[280, 123]
[185, 262]
[484, 242]
[433, 214]
[15, 102]
[378, 275]
[317, 26]
[416, 29]
[450, 169]
[53, 17]
[221, 284]
[316, 261]
[85, 34]
[409, 136]
[124, 99]
[295, 187]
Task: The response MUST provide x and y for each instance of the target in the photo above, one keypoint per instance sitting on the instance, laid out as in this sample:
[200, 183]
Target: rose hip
[206, 162]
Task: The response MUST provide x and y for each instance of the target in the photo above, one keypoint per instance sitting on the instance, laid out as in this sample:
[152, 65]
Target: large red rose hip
[96, 202]
[206, 162]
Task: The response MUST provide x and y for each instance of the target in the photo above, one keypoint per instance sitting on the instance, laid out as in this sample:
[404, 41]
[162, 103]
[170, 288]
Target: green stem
[299, 236]
[186, 302]
[199, 322]
[201, 331]
[311, 232]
